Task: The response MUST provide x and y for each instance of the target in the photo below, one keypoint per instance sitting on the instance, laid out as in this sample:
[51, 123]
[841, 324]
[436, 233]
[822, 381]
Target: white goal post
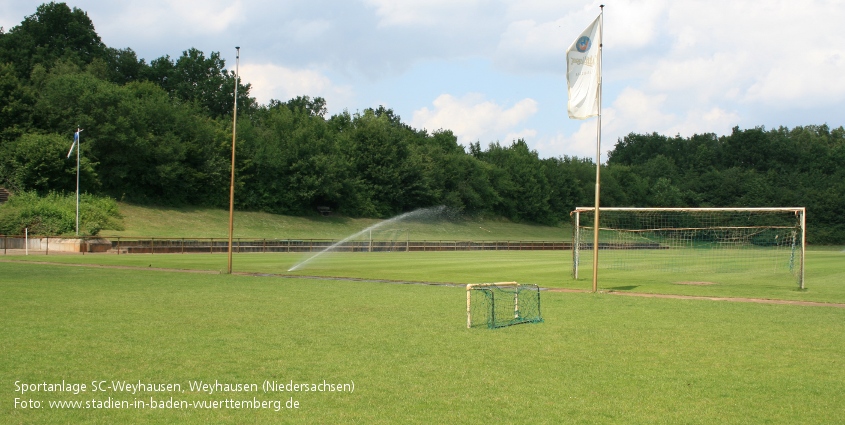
[713, 237]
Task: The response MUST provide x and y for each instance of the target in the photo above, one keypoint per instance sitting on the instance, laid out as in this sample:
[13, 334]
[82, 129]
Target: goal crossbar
[657, 229]
[773, 209]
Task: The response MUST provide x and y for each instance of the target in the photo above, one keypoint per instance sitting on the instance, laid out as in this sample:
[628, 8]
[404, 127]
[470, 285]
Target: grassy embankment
[213, 223]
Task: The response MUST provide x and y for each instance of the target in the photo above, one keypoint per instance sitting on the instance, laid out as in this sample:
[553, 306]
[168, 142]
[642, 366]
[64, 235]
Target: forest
[159, 133]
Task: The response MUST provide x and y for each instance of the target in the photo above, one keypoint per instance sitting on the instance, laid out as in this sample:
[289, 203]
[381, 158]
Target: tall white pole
[232, 180]
[78, 148]
[803, 243]
[598, 165]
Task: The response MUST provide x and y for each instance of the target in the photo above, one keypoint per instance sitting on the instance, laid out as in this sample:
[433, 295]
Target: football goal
[497, 305]
[694, 242]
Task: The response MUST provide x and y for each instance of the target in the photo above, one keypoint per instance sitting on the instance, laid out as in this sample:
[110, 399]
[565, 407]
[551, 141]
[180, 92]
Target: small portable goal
[496, 305]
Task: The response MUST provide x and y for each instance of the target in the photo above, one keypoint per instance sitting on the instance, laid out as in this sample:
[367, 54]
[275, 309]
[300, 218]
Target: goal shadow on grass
[623, 288]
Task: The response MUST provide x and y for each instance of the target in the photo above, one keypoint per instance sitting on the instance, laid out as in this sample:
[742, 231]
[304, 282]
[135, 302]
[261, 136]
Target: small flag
[583, 72]
[75, 141]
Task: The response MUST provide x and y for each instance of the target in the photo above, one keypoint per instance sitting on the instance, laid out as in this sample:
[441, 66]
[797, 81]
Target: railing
[241, 245]
[16, 244]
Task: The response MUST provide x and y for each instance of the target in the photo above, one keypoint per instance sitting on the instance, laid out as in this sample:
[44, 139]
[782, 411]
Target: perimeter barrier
[35, 244]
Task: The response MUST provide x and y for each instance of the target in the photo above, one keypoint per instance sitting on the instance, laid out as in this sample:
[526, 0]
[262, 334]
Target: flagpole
[583, 78]
[232, 180]
[78, 148]
[598, 162]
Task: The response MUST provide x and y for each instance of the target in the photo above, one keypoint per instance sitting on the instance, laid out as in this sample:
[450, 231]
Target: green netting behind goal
[694, 244]
[503, 304]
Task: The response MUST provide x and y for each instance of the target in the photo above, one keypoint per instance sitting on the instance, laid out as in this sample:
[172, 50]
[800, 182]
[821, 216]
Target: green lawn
[595, 359]
[825, 276]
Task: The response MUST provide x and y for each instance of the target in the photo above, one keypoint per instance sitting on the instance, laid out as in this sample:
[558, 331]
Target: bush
[55, 214]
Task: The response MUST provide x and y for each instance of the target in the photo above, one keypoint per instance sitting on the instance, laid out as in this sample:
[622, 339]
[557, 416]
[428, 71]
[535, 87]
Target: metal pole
[576, 244]
[803, 242]
[232, 180]
[78, 148]
[598, 165]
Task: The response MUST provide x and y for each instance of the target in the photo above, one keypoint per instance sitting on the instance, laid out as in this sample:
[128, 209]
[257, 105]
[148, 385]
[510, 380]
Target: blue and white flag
[75, 141]
[583, 72]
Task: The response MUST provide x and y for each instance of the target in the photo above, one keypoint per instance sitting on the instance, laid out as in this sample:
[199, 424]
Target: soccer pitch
[550, 269]
[375, 352]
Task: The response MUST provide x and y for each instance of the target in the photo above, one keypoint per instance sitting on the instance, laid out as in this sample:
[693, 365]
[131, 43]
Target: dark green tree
[520, 180]
[16, 107]
[201, 80]
[39, 162]
[54, 32]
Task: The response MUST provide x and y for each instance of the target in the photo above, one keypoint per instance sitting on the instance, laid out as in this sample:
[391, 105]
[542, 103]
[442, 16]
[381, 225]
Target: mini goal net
[693, 242]
[496, 305]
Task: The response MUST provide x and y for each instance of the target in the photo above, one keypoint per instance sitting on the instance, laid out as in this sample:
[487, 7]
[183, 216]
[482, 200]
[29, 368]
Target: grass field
[596, 359]
[825, 276]
[105, 319]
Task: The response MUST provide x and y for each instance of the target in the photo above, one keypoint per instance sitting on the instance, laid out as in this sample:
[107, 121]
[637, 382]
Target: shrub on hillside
[55, 214]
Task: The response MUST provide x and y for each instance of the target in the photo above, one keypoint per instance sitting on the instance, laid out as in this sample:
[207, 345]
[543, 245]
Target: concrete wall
[56, 244]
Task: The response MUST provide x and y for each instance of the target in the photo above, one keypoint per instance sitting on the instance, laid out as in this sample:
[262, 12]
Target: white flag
[75, 141]
[583, 72]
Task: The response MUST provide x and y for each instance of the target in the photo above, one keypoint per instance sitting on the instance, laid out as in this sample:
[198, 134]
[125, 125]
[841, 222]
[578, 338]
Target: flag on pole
[75, 141]
[583, 72]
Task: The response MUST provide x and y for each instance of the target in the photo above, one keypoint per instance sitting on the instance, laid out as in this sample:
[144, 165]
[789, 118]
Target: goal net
[496, 305]
[693, 242]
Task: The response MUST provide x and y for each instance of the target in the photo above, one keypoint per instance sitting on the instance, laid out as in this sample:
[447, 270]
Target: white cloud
[308, 30]
[423, 12]
[634, 111]
[815, 74]
[277, 82]
[527, 45]
[638, 111]
[537, 41]
[752, 52]
[162, 18]
[706, 77]
[633, 24]
[473, 119]
[582, 143]
[715, 120]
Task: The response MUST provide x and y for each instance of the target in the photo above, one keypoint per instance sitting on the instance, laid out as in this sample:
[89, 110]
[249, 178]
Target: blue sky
[495, 70]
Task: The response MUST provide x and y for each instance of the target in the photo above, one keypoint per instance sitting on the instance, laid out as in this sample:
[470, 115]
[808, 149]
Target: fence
[128, 245]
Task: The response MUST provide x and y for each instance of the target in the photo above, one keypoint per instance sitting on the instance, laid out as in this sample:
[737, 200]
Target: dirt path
[581, 291]
[697, 297]
[101, 266]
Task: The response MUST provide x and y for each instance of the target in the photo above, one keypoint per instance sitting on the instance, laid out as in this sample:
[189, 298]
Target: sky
[495, 70]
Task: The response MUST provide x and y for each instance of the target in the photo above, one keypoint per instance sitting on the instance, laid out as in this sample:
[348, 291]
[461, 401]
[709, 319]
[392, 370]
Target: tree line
[160, 133]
